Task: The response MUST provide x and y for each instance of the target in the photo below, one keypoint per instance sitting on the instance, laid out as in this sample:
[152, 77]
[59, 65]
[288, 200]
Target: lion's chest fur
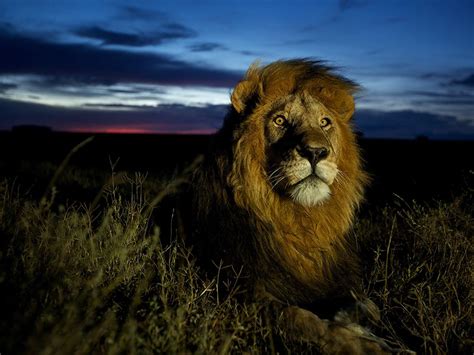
[305, 250]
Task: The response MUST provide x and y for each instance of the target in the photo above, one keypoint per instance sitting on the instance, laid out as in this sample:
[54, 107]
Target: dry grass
[419, 267]
[81, 281]
[93, 277]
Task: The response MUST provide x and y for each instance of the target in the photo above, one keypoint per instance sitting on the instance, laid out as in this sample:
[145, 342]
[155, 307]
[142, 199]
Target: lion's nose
[313, 154]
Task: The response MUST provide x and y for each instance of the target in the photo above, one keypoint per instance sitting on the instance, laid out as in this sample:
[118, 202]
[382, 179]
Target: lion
[276, 196]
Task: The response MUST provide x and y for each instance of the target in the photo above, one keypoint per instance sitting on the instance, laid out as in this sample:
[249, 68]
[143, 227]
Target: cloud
[137, 13]
[79, 63]
[171, 118]
[212, 46]
[443, 95]
[175, 118]
[446, 102]
[206, 47]
[410, 124]
[250, 53]
[124, 91]
[4, 87]
[177, 27]
[467, 81]
[121, 106]
[6, 26]
[443, 100]
[108, 37]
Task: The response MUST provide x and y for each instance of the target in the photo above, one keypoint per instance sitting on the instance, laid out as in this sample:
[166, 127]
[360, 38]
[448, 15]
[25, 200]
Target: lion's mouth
[310, 191]
[313, 177]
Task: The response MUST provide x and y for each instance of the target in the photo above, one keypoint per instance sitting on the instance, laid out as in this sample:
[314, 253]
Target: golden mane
[299, 253]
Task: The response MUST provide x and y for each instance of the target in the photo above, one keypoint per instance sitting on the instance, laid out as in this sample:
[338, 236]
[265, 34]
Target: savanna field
[86, 268]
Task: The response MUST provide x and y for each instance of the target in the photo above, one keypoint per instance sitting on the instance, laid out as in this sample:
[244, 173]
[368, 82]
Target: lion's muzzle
[313, 154]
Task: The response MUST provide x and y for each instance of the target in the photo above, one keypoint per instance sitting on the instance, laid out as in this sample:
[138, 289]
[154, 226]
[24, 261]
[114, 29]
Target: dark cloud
[440, 76]
[410, 124]
[134, 90]
[206, 47]
[445, 102]
[137, 13]
[181, 118]
[177, 27]
[429, 76]
[212, 46]
[89, 64]
[173, 118]
[108, 37]
[6, 26]
[449, 98]
[467, 81]
[249, 53]
[122, 106]
[443, 95]
[4, 87]
[124, 91]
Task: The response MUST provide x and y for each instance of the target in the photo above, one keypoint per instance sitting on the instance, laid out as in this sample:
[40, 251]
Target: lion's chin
[310, 192]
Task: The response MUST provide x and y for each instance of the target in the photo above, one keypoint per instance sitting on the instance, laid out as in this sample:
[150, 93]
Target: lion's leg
[330, 336]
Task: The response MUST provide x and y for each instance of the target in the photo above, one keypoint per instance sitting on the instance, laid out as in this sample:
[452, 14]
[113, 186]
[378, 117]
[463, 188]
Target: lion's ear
[339, 100]
[346, 105]
[241, 94]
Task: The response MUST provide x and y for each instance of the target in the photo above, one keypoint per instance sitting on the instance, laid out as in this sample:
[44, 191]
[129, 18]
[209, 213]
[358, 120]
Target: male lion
[277, 194]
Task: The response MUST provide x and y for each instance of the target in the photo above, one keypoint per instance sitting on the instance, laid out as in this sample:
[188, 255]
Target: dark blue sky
[168, 66]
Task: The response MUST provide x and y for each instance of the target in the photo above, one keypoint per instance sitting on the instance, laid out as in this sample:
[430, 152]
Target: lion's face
[302, 146]
[293, 137]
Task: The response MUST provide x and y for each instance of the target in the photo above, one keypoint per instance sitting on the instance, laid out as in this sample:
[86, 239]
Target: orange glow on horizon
[127, 130]
[132, 130]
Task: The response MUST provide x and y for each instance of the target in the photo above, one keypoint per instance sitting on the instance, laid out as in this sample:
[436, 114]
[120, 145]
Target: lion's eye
[325, 122]
[280, 121]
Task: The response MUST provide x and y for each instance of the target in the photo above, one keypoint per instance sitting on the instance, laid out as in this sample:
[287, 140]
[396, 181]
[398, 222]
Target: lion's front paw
[331, 337]
[352, 339]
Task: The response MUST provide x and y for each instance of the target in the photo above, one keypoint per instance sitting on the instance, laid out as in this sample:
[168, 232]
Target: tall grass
[94, 277]
[78, 280]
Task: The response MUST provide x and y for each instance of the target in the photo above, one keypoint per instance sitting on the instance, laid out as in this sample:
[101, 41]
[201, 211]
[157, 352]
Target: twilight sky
[169, 66]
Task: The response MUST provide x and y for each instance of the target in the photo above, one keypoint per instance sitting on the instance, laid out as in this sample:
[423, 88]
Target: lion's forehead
[300, 105]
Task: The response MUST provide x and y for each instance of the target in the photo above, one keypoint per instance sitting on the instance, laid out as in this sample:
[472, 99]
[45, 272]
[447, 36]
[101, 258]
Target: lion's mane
[297, 254]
